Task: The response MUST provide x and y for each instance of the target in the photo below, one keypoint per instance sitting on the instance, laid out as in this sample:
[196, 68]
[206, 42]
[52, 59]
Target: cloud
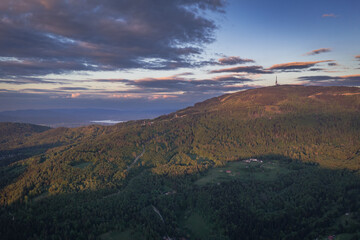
[35, 80]
[234, 60]
[184, 74]
[296, 65]
[316, 69]
[177, 85]
[244, 69]
[357, 57]
[34, 67]
[332, 64]
[75, 95]
[324, 80]
[329, 15]
[139, 99]
[161, 96]
[152, 88]
[62, 36]
[111, 80]
[224, 60]
[318, 51]
[186, 85]
[72, 88]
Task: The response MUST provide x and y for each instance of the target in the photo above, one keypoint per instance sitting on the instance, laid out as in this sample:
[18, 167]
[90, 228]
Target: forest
[190, 180]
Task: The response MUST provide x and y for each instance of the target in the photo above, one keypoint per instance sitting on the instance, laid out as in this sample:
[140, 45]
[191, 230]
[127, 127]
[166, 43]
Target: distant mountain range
[76, 117]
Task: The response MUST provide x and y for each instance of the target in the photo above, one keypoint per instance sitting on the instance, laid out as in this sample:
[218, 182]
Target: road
[136, 159]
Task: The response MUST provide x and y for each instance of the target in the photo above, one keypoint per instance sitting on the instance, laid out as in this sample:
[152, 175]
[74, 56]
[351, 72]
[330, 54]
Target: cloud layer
[324, 80]
[54, 36]
[179, 85]
[296, 65]
[234, 60]
[244, 69]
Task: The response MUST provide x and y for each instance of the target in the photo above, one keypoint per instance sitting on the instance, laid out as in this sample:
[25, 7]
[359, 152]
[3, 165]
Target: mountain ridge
[265, 96]
[310, 124]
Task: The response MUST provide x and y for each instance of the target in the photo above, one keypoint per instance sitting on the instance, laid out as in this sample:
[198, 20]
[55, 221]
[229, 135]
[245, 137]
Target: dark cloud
[234, 60]
[332, 64]
[225, 60]
[296, 65]
[57, 36]
[324, 80]
[111, 80]
[30, 67]
[40, 90]
[72, 88]
[177, 83]
[2, 90]
[186, 85]
[318, 51]
[184, 74]
[30, 80]
[316, 69]
[244, 69]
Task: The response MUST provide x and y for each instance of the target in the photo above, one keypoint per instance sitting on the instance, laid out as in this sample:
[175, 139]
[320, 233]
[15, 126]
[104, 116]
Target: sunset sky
[168, 54]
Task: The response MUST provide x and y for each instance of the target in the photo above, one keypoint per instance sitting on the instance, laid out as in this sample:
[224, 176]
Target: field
[259, 171]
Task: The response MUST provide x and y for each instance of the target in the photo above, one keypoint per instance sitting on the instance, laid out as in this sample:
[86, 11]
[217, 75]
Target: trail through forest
[136, 159]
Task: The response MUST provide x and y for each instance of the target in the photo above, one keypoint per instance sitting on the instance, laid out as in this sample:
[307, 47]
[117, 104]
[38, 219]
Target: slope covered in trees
[309, 129]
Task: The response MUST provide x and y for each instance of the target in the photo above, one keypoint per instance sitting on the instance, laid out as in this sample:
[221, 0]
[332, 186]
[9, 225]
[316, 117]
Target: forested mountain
[161, 177]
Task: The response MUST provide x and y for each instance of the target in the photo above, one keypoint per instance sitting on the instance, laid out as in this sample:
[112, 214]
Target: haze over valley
[77, 117]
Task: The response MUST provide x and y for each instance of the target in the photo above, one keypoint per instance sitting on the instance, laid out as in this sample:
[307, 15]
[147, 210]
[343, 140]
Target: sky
[169, 54]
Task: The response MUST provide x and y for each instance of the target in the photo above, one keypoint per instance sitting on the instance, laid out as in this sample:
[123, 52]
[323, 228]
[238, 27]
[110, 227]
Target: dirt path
[136, 159]
[158, 213]
[128, 168]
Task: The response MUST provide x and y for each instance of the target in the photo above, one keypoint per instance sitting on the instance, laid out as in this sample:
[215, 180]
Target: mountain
[187, 167]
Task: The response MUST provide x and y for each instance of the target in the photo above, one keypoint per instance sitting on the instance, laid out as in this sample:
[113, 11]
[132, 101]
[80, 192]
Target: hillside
[304, 131]
[11, 131]
[280, 100]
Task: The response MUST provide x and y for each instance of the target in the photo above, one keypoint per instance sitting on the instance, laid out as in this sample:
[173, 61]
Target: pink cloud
[329, 15]
[296, 65]
[75, 95]
[161, 96]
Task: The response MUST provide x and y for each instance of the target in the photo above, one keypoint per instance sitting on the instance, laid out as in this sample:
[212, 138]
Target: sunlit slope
[313, 124]
[280, 100]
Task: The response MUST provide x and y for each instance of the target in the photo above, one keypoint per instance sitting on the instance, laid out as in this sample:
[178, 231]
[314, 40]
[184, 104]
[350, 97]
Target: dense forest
[183, 175]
